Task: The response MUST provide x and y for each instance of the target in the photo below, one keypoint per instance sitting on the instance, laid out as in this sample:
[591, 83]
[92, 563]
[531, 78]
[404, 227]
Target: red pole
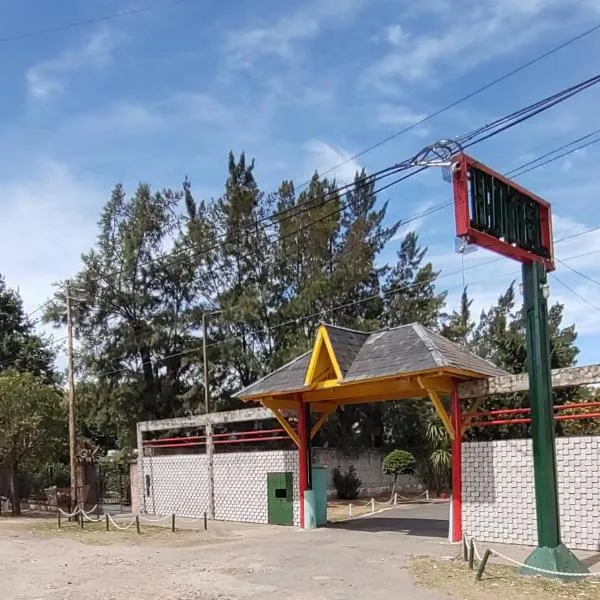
[302, 458]
[456, 466]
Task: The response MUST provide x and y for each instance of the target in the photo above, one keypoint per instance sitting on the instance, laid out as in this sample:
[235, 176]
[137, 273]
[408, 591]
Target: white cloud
[397, 114]
[322, 157]
[48, 219]
[279, 37]
[459, 40]
[130, 118]
[48, 78]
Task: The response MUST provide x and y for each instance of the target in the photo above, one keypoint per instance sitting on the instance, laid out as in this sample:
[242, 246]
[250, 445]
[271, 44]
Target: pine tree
[458, 326]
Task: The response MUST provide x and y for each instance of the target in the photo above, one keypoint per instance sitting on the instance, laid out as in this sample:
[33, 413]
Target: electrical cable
[92, 21]
[562, 155]
[575, 293]
[539, 158]
[470, 139]
[462, 99]
[323, 312]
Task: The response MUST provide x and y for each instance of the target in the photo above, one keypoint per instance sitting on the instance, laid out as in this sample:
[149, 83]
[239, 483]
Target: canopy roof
[358, 357]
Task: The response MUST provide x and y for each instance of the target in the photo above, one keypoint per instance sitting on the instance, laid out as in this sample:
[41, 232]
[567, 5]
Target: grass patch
[96, 534]
[498, 582]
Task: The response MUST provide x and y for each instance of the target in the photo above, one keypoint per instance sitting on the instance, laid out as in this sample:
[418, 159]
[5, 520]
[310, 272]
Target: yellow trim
[434, 375]
[322, 340]
[283, 422]
[439, 408]
[320, 422]
[328, 383]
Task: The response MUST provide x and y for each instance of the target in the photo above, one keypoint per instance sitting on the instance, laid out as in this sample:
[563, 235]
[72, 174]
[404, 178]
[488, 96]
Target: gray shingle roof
[346, 344]
[402, 350]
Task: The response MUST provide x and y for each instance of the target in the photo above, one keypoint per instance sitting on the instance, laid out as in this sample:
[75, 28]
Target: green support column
[550, 554]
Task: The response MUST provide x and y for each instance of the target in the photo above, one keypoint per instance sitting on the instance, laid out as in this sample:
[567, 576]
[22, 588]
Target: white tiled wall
[499, 494]
[179, 484]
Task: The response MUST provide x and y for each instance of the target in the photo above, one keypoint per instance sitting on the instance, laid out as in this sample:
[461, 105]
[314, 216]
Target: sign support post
[550, 554]
[496, 213]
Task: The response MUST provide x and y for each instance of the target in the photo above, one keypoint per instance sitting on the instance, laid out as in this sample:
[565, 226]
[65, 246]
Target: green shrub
[348, 484]
[399, 462]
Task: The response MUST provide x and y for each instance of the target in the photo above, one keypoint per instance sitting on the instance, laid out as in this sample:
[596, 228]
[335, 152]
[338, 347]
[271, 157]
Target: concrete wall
[499, 495]
[179, 484]
[368, 470]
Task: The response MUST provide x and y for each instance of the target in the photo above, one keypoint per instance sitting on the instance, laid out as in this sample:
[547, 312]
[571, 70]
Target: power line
[464, 98]
[380, 296]
[469, 139]
[488, 130]
[575, 293]
[559, 156]
[91, 21]
[551, 152]
[582, 275]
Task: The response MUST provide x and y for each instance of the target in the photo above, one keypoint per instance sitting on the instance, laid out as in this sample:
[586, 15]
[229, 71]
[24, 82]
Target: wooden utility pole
[71, 397]
[205, 363]
[208, 428]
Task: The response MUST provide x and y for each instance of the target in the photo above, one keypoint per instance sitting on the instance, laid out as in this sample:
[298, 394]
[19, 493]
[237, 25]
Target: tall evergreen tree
[132, 312]
[411, 295]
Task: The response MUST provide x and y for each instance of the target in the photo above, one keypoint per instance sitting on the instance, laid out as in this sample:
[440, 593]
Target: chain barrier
[184, 520]
[125, 528]
[142, 518]
[69, 515]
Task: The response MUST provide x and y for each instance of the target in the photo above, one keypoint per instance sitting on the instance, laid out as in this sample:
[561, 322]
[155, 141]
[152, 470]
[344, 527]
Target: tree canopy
[264, 269]
[32, 424]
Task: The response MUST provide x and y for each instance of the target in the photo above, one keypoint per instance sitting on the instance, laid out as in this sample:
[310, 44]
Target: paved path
[423, 520]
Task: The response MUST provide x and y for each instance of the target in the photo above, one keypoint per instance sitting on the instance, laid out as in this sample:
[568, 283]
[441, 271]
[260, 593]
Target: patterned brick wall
[498, 491]
[241, 484]
[179, 484]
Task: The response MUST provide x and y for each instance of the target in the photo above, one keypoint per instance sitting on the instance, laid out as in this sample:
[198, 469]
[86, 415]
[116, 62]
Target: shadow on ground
[408, 526]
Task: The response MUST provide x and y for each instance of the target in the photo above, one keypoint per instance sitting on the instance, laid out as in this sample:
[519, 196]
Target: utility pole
[210, 448]
[71, 397]
[205, 361]
[208, 431]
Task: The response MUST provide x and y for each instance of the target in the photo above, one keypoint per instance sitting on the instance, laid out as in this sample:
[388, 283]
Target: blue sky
[299, 86]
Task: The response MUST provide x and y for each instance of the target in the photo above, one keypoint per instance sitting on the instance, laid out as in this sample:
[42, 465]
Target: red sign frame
[464, 229]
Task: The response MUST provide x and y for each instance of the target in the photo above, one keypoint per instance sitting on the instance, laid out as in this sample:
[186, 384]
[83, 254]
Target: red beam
[499, 422]
[594, 415]
[251, 432]
[190, 438]
[580, 416]
[518, 411]
[258, 439]
[176, 445]
[580, 405]
[504, 411]
[193, 438]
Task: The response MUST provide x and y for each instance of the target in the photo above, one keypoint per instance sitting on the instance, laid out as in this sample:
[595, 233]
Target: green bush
[399, 462]
[348, 484]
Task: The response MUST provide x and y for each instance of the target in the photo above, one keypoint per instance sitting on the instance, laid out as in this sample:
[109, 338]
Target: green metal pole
[540, 399]
[550, 554]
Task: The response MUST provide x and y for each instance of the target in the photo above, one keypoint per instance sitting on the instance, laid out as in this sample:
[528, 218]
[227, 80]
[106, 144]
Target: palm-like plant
[440, 457]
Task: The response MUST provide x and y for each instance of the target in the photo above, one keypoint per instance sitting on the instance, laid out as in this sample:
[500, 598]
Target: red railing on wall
[472, 422]
[238, 437]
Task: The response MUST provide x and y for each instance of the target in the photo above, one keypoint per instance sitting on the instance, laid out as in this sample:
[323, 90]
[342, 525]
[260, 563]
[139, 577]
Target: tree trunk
[15, 498]
[394, 486]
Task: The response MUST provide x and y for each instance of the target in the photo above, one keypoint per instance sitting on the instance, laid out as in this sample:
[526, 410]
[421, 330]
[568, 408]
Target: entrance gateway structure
[355, 367]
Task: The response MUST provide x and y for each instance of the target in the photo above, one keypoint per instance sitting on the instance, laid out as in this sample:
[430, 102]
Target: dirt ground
[372, 557]
[229, 562]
